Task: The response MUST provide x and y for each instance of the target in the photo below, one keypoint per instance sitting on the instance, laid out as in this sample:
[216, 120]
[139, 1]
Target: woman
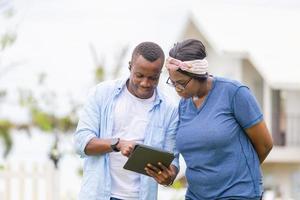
[221, 135]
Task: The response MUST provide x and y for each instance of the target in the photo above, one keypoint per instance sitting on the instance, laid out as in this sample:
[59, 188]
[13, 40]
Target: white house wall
[224, 65]
[220, 63]
[252, 78]
[292, 99]
[293, 117]
[267, 108]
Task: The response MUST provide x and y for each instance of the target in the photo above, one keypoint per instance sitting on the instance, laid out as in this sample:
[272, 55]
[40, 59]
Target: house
[260, 47]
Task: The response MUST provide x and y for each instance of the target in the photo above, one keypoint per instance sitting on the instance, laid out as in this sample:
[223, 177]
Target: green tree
[7, 38]
[45, 121]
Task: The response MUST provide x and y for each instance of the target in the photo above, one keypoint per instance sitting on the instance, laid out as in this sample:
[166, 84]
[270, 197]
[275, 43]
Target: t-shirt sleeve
[246, 108]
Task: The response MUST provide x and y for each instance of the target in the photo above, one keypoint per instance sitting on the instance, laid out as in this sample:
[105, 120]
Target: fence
[33, 183]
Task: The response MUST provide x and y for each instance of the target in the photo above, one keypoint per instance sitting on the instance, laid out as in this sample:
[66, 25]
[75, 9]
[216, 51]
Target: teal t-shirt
[221, 161]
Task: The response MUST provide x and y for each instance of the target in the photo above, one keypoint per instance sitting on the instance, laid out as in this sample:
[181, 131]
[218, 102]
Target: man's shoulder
[104, 89]
[110, 84]
[168, 101]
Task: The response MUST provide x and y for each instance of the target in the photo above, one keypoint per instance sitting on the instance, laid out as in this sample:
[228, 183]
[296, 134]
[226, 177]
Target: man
[119, 114]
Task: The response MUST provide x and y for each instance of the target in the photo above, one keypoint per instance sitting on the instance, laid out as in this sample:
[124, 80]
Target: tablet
[143, 154]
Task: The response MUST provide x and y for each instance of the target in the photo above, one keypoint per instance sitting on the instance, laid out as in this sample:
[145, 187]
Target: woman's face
[184, 85]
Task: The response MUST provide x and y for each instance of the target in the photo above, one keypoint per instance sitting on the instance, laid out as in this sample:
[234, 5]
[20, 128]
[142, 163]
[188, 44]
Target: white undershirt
[130, 121]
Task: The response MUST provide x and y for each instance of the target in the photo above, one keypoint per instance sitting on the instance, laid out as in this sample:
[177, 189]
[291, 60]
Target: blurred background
[52, 52]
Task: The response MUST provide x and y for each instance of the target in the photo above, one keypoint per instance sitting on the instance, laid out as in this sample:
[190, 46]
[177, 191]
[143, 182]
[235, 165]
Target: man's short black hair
[149, 50]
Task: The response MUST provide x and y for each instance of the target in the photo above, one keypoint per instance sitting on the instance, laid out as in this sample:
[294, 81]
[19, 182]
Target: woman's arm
[261, 139]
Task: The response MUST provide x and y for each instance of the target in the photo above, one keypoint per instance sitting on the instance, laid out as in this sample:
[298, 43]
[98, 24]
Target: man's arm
[86, 137]
[100, 146]
[89, 123]
[261, 140]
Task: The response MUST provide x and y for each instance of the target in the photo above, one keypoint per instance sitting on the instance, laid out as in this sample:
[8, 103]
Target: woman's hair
[190, 49]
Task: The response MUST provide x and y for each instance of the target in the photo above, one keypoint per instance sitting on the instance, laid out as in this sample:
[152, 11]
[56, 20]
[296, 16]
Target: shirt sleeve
[246, 108]
[170, 140]
[88, 125]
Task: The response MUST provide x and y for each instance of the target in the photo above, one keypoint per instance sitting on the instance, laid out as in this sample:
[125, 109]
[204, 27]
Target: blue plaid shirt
[96, 120]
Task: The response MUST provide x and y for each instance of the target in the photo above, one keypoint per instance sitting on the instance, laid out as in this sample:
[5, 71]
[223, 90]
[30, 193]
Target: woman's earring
[129, 67]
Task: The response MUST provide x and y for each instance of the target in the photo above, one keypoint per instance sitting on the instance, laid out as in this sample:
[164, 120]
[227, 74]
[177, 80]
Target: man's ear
[129, 67]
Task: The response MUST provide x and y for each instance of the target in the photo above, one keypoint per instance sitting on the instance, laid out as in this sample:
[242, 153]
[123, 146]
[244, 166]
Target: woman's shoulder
[228, 81]
[229, 84]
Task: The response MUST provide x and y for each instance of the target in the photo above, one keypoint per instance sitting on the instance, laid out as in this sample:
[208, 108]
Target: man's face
[144, 77]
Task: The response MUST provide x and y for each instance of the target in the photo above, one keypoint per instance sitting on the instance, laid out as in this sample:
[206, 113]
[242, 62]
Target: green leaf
[66, 124]
[7, 40]
[42, 120]
[5, 127]
[99, 73]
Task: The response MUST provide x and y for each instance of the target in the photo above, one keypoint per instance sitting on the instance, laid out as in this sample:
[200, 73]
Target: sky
[54, 37]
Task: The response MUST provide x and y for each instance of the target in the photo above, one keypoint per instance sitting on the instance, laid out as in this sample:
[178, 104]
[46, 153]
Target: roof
[268, 37]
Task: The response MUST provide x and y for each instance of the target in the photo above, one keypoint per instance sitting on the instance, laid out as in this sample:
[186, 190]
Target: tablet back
[143, 154]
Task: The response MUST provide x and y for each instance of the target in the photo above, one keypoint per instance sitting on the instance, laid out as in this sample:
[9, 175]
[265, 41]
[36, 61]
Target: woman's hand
[162, 174]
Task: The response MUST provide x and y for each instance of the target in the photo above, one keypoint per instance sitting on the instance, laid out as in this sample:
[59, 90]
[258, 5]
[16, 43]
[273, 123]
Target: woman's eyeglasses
[178, 86]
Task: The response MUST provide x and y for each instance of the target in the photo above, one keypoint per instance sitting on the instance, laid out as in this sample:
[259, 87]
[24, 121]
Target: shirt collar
[122, 83]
